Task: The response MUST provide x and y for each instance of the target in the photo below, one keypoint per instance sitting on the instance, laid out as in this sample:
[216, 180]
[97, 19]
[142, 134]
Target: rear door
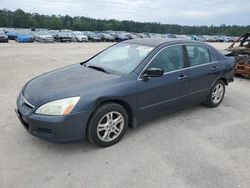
[203, 71]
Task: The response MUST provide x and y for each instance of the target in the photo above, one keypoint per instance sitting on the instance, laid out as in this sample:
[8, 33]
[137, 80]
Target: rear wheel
[107, 125]
[216, 94]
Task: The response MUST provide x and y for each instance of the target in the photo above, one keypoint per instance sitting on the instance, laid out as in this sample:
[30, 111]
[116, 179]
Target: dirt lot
[195, 147]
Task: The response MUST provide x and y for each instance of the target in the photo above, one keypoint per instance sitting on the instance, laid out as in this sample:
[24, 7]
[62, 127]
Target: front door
[168, 91]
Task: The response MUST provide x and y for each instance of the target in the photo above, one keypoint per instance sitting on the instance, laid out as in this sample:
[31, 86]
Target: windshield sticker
[127, 46]
[144, 48]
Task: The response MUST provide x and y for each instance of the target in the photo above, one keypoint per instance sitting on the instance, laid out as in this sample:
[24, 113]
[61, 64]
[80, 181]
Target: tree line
[21, 19]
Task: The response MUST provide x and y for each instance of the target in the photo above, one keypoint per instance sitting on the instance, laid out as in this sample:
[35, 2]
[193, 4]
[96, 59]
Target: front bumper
[65, 39]
[4, 40]
[47, 40]
[81, 39]
[24, 40]
[53, 128]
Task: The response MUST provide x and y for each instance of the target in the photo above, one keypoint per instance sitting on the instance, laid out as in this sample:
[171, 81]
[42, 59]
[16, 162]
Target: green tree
[21, 19]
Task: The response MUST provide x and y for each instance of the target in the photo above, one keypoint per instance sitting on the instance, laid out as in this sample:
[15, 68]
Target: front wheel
[107, 125]
[216, 94]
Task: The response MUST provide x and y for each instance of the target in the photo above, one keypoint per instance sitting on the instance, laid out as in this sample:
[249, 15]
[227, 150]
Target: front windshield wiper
[98, 68]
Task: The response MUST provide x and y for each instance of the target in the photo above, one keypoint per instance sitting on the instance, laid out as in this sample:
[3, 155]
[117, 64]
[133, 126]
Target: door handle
[214, 68]
[182, 77]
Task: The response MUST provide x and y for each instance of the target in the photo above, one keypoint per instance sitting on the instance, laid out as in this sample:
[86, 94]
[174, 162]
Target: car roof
[158, 41]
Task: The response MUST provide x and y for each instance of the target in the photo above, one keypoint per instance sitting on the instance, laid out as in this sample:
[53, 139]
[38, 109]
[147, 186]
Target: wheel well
[224, 80]
[124, 105]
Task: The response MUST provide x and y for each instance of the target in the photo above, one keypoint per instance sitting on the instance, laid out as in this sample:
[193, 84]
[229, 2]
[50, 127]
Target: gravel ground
[195, 147]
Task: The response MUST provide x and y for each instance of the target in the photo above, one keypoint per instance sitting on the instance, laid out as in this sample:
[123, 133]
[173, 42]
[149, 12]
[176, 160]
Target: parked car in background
[93, 37]
[44, 36]
[228, 39]
[171, 36]
[122, 86]
[198, 38]
[207, 38]
[25, 36]
[80, 37]
[62, 37]
[129, 35]
[12, 35]
[134, 36]
[186, 37]
[143, 35]
[155, 35]
[119, 37]
[109, 35]
[219, 38]
[105, 37]
[72, 36]
[3, 37]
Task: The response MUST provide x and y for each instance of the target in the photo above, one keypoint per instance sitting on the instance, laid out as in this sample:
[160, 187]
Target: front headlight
[58, 107]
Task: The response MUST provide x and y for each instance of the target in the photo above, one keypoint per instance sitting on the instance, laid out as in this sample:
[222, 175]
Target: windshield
[43, 33]
[121, 58]
[78, 34]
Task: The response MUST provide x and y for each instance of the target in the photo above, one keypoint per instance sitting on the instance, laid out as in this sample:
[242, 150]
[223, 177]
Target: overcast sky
[184, 12]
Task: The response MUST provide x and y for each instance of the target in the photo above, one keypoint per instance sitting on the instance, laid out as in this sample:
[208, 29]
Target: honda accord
[122, 86]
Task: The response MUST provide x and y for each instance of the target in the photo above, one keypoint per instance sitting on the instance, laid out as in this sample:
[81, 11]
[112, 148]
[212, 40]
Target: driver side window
[169, 59]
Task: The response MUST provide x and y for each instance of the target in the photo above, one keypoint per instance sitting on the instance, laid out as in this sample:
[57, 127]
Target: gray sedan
[121, 87]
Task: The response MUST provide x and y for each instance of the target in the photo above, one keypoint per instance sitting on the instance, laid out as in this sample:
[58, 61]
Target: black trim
[185, 56]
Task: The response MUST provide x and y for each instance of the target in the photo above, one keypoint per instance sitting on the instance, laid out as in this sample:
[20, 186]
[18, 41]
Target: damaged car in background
[240, 49]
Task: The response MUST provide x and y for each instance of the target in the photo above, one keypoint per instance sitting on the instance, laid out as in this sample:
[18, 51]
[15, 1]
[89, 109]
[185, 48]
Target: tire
[103, 130]
[216, 94]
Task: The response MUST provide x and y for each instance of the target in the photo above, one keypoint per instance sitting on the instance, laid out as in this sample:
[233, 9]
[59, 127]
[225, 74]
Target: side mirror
[153, 72]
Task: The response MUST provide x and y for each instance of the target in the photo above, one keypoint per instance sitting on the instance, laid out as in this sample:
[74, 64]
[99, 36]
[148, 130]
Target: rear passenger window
[213, 56]
[169, 59]
[198, 55]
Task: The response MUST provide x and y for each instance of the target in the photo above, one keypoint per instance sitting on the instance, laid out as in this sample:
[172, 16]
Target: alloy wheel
[217, 93]
[110, 126]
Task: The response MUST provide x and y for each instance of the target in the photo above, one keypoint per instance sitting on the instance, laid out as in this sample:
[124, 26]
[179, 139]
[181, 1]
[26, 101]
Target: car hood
[81, 36]
[12, 33]
[46, 36]
[63, 35]
[66, 82]
[24, 36]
